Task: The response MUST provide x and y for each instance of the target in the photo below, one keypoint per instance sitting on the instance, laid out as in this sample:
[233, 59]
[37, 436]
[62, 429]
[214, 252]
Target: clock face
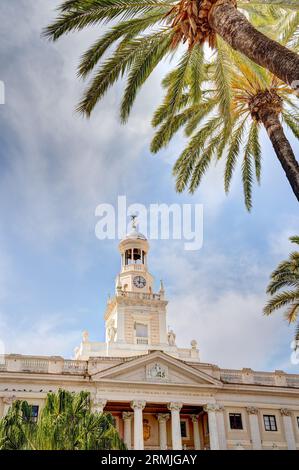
[139, 282]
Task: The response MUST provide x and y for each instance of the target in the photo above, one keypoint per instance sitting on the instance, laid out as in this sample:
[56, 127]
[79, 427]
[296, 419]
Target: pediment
[157, 368]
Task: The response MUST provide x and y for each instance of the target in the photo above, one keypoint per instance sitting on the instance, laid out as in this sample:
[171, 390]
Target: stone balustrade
[43, 365]
[139, 295]
[248, 376]
[134, 267]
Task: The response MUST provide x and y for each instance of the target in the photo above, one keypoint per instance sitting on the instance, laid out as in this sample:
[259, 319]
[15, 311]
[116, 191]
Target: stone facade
[162, 396]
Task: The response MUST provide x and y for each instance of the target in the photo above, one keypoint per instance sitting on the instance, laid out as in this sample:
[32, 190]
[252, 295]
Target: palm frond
[280, 300]
[86, 13]
[184, 165]
[233, 152]
[145, 60]
[247, 176]
[291, 314]
[113, 68]
[169, 128]
[129, 29]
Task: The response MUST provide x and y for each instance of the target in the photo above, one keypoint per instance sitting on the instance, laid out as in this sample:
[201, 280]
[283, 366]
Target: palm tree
[286, 275]
[223, 112]
[17, 429]
[66, 423]
[149, 30]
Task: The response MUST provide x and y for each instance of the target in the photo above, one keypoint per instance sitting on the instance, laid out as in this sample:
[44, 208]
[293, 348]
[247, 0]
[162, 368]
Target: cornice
[150, 384]
[261, 389]
[40, 378]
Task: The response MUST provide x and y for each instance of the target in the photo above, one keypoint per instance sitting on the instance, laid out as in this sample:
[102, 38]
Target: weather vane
[134, 218]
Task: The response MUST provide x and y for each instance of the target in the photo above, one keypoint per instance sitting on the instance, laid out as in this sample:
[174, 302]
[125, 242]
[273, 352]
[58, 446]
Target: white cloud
[220, 303]
[48, 336]
[279, 241]
[62, 163]
[231, 330]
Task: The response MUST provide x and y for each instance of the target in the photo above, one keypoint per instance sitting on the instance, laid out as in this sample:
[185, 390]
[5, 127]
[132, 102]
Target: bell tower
[134, 275]
[135, 318]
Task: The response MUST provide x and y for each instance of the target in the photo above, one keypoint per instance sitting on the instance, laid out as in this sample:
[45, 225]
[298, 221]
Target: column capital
[8, 400]
[212, 407]
[174, 406]
[251, 410]
[138, 405]
[127, 415]
[194, 418]
[99, 402]
[161, 417]
[285, 412]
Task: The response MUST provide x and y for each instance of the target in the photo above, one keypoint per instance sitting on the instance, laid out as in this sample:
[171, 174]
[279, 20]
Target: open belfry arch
[161, 396]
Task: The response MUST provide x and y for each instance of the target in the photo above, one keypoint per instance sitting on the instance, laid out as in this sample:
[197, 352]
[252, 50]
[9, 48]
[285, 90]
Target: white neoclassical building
[162, 396]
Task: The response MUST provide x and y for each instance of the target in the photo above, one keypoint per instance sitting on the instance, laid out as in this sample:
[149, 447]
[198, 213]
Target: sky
[57, 167]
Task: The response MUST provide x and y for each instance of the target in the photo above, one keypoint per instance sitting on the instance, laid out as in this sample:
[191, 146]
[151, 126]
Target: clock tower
[134, 275]
[135, 317]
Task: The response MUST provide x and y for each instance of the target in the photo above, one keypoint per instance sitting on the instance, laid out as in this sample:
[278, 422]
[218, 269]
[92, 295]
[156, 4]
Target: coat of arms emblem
[146, 430]
[157, 372]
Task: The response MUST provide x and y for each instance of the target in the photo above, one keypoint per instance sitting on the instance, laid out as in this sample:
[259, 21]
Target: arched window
[128, 257]
[137, 256]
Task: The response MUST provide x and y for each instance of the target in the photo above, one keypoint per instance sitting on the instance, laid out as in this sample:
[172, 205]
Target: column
[138, 407]
[288, 428]
[176, 437]
[162, 419]
[7, 402]
[221, 428]
[211, 409]
[98, 404]
[127, 417]
[196, 432]
[254, 428]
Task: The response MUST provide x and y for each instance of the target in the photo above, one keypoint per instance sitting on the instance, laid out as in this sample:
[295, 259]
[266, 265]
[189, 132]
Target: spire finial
[134, 221]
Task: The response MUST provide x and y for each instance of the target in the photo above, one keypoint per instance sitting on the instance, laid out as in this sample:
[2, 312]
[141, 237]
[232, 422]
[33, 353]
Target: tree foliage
[284, 288]
[66, 422]
[224, 122]
[144, 33]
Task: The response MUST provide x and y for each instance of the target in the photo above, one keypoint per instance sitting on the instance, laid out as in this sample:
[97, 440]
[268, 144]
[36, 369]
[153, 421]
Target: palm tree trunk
[235, 29]
[282, 149]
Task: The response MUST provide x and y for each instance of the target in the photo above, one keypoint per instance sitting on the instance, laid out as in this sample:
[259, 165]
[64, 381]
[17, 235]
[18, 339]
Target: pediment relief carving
[157, 371]
[157, 367]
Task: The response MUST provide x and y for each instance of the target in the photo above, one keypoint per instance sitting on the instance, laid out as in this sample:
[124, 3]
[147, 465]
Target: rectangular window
[184, 429]
[270, 423]
[33, 414]
[298, 421]
[141, 330]
[235, 420]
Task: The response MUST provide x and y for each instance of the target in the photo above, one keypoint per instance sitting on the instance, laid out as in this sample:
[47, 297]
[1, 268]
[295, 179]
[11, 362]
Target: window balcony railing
[134, 267]
[140, 295]
[141, 340]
